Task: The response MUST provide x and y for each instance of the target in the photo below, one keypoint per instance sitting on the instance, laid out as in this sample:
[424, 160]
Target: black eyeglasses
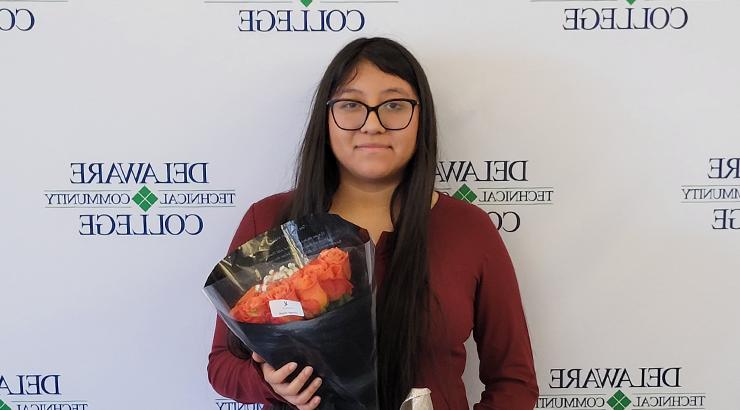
[351, 115]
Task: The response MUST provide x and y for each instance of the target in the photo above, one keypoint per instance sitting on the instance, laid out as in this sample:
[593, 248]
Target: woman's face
[373, 153]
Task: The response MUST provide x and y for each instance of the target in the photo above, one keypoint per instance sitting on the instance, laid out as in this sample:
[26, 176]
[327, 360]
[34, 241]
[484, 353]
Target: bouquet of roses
[293, 293]
[301, 293]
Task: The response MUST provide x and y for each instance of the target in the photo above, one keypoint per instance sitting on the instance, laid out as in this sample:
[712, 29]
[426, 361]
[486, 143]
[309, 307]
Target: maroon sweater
[472, 277]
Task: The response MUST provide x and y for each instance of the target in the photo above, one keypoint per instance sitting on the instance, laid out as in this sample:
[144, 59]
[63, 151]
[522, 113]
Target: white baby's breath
[284, 272]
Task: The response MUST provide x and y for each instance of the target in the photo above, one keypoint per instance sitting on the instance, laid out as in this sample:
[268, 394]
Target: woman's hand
[291, 392]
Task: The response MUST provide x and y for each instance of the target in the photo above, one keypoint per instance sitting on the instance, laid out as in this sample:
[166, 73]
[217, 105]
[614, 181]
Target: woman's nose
[373, 125]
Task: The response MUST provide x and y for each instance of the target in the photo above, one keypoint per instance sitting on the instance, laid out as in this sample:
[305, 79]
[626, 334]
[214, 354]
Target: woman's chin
[376, 175]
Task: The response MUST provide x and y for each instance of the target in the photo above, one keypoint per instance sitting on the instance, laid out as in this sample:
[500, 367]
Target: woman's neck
[366, 204]
[363, 197]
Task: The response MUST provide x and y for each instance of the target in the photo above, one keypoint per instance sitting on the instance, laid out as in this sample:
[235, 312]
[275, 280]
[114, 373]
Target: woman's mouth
[372, 147]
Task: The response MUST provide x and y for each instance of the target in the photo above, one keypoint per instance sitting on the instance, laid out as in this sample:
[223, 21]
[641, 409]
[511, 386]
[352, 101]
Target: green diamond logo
[4, 406]
[466, 194]
[308, 2]
[145, 199]
[631, 2]
[619, 401]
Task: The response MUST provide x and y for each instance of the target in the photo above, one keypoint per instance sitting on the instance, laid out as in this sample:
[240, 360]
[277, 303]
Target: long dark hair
[404, 297]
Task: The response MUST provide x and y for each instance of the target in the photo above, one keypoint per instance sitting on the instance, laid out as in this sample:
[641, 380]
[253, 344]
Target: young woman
[369, 155]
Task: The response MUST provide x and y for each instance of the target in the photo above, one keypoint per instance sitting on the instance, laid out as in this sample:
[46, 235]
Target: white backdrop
[623, 147]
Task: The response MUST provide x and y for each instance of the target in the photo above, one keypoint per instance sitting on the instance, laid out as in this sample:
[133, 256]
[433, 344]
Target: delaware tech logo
[16, 20]
[633, 15]
[296, 16]
[227, 404]
[139, 198]
[619, 389]
[500, 187]
[35, 392]
[720, 193]
[24, 18]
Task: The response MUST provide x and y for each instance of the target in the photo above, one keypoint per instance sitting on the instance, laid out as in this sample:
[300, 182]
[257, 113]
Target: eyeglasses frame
[414, 104]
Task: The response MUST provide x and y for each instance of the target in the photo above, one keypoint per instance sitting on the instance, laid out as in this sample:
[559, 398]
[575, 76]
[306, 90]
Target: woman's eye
[349, 105]
[393, 105]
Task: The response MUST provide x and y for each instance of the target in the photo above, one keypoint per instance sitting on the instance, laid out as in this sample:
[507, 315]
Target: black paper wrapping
[339, 344]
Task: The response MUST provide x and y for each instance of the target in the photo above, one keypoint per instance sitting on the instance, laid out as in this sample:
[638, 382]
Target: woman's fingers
[257, 358]
[294, 392]
[311, 405]
[277, 377]
[297, 384]
[294, 387]
[306, 395]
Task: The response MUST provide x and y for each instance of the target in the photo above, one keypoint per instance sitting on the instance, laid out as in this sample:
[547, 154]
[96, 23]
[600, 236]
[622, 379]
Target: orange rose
[338, 261]
[253, 307]
[316, 267]
[311, 295]
[336, 288]
[282, 290]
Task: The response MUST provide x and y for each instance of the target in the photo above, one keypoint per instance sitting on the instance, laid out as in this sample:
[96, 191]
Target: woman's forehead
[390, 92]
[367, 79]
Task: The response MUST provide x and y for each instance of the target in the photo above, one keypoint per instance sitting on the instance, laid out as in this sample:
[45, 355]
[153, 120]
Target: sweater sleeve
[500, 331]
[230, 376]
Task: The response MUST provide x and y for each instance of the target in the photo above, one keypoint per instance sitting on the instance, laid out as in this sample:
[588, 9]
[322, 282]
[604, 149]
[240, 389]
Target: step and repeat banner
[601, 137]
